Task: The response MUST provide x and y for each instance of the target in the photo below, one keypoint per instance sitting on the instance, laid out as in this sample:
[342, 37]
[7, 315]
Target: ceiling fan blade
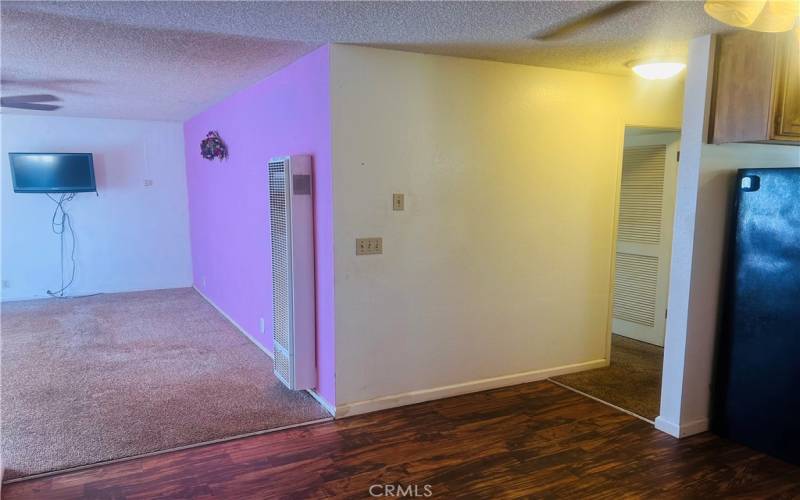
[69, 85]
[28, 105]
[30, 98]
[570, 27]
[42, 82]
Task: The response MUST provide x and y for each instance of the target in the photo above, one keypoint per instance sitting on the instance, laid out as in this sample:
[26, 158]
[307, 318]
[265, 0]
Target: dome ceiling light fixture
[769, 16]
[656, 69]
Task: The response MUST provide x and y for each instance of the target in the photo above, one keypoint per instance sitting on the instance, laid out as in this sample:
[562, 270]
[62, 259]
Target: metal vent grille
[635, 288]
[281, 256]
[642, 194]
[282, 366]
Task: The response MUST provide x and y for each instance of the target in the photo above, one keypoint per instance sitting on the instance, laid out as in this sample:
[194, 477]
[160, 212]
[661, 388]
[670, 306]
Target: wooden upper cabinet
[786, 121]
[756, 95]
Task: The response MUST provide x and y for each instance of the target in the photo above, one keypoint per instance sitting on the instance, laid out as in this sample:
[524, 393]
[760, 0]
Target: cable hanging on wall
[60, 227]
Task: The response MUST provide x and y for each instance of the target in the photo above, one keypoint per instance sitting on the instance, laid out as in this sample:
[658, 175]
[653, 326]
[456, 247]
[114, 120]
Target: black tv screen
[52, 172]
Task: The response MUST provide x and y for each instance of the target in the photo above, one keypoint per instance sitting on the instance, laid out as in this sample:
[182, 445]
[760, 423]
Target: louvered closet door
[644, 237]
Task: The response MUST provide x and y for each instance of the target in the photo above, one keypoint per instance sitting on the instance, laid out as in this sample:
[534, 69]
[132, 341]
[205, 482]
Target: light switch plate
[369, 246]
[398, 201]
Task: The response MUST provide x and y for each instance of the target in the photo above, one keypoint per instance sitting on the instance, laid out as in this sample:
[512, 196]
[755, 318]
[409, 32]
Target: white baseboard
[682, 430]
[670, 428]
[409, 398]
[695, 427]
[238, 327]
[4, 298]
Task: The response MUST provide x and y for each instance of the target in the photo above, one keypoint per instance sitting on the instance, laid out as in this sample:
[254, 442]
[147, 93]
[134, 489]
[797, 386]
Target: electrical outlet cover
[369, 246]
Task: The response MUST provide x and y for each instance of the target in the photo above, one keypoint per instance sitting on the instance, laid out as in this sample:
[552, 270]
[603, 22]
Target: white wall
[130, 237]
[498, 271]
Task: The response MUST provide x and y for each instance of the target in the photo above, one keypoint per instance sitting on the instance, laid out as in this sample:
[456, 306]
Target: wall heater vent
[291, 219]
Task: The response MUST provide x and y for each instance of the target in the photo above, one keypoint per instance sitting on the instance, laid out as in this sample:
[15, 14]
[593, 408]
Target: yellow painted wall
[498, 271]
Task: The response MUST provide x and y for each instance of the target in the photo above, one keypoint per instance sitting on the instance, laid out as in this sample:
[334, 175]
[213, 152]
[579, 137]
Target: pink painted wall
[288, 113]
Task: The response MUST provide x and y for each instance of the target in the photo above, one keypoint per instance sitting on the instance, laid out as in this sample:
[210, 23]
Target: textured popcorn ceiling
[169, 60]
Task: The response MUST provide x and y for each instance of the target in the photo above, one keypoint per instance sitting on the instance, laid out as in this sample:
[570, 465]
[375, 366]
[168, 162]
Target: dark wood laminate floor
[534, 440]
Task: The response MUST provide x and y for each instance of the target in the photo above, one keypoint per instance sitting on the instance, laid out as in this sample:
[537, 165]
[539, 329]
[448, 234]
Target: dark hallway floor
[631, 382]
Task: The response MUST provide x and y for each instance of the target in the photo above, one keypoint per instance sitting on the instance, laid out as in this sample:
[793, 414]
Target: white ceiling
[169, 60]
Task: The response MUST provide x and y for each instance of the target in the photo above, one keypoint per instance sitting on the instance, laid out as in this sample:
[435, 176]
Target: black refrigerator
[757, 386]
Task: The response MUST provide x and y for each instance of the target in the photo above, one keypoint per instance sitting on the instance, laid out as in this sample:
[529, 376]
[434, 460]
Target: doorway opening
[632, 381]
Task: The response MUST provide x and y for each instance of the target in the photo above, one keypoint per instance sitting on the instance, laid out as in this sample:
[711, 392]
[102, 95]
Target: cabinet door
[786, 121]
[743, 87]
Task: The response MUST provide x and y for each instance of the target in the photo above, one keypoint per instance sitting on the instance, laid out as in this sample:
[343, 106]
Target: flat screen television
[52, 172]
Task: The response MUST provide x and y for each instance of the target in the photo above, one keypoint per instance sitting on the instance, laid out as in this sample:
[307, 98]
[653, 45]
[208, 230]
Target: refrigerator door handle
[750, 183]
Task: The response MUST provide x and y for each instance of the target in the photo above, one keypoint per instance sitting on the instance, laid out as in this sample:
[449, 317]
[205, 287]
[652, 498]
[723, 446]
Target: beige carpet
[632, 381]
[111, 376]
